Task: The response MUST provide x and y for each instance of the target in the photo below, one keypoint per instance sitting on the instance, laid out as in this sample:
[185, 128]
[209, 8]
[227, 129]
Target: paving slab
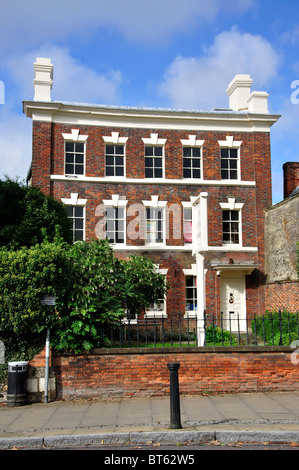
[256, 414]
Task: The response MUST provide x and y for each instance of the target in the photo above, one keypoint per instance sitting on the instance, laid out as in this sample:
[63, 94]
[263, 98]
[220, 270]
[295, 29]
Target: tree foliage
[92, 288]
[27, 216]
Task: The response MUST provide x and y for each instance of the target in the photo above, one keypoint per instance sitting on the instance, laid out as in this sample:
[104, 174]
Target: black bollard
[175, 412]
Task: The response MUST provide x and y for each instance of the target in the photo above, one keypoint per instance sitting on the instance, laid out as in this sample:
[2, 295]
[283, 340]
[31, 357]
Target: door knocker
[231, 299]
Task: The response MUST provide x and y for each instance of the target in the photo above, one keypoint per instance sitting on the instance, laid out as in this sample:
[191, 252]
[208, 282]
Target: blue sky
[158, 53]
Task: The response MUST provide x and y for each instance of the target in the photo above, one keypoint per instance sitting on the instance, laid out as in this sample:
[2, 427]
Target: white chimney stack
[241, 99]
[239, 91]
[43, 79]
[258, 102]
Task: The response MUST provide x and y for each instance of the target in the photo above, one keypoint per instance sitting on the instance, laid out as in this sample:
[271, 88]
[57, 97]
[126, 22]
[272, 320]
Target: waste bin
[17, 386]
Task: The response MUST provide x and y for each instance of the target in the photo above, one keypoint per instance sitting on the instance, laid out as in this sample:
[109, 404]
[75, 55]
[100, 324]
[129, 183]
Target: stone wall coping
[183, 350]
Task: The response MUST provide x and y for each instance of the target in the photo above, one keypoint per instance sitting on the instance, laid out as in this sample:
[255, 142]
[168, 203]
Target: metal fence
[270, 329]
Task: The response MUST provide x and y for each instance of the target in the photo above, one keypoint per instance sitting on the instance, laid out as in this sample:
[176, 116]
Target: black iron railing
[270, 329]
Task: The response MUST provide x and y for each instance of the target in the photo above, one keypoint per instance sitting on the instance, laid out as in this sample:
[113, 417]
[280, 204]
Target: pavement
[250, 417]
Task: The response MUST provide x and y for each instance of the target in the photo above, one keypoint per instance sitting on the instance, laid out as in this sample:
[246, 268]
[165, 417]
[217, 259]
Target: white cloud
[200, 82]
[31, 22]
[73, 80]
[15, 139]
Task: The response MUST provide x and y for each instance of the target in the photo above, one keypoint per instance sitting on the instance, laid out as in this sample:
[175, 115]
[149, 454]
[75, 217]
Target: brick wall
[291, 178]
[282, 296]
[130, 373]
[48, 158]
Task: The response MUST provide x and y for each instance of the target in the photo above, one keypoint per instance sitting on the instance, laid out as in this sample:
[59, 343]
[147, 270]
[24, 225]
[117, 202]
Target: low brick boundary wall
[137, 373]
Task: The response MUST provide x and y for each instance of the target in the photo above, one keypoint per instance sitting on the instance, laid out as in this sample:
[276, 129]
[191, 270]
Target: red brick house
[186, 188]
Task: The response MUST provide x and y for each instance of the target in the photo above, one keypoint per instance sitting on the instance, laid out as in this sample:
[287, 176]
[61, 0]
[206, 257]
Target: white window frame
[155, 313]
[232, 205]
[155, 141]
[193, 142]
[75, 137]
[75, 201]
[117, 201]
[191, 272]
[230, 143]
[115, 139]
[154, 203]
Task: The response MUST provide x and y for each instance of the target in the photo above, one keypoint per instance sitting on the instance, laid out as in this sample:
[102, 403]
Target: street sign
[48, 300]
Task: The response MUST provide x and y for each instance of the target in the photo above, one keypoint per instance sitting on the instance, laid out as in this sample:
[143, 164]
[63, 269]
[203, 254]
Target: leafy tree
[95, 299]
[142, 284]
[26, 275]
[103, 289]
[27, 216]
[92, 287]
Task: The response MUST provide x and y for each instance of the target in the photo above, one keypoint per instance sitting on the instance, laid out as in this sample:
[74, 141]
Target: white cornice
[81, 114]
[149, 181]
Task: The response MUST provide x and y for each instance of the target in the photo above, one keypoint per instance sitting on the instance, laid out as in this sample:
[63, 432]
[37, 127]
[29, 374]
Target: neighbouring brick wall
[129, 373]
[282, 296]
[291, 178]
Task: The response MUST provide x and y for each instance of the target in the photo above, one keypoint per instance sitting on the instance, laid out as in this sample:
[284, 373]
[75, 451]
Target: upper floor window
[153, 163]
[74, 158]
[191, 162]
[154, 225]
[229, 164]
[192, 165]
[154, 156]
[231, 227]
[114, 160]
[115, 224]
[231, 222]
[74, 153]
[230, 158]
[187, 224]
[75, 208]
[155, 220]
[115, 154]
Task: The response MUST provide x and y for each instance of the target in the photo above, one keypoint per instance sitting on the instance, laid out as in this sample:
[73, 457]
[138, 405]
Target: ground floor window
[191, 293]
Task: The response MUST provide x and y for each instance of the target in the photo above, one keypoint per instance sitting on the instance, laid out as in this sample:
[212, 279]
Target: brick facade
[235, 268]
[255, 166]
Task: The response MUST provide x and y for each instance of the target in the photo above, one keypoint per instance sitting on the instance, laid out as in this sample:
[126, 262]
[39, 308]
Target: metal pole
[175, 413]
[47, 365]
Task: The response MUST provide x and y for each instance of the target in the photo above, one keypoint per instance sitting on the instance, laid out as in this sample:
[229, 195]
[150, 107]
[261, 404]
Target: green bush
[27, 216]
[92, 288]
[216, 335]
[276, 327]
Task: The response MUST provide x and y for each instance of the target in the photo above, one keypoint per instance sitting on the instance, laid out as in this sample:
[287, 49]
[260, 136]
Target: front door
[233, 305]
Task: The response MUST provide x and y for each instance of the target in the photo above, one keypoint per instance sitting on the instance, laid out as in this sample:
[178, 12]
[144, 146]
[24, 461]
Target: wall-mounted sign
[48, 300]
